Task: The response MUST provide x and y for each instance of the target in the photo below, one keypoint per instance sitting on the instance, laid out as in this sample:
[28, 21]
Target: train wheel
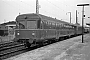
[27, 44]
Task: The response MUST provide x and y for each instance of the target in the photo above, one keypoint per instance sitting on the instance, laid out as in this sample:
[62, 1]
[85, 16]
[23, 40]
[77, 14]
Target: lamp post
[83, 17]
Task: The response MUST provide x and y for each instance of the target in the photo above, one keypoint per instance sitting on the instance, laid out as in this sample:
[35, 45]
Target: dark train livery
[37, 28]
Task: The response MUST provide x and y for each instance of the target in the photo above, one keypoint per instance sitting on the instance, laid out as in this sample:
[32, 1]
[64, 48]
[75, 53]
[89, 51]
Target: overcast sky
[59, 9]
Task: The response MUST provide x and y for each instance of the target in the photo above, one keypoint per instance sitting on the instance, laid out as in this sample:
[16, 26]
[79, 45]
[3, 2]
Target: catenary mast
[37, 7]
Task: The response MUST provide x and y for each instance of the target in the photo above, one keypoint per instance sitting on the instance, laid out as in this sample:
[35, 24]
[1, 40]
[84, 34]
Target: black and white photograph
[44, 29]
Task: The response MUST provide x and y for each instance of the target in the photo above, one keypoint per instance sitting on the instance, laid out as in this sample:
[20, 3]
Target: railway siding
[8, 38]
[70, 49]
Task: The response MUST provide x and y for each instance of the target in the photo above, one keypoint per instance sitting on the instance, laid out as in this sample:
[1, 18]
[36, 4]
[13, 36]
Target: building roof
[9, 23]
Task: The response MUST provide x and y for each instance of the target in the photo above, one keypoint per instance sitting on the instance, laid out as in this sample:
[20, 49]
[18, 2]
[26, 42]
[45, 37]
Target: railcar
[79, 30]
[86, 30]
[37, 28]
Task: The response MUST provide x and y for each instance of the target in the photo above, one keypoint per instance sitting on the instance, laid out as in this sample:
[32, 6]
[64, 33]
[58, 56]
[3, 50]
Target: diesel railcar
[37, 28]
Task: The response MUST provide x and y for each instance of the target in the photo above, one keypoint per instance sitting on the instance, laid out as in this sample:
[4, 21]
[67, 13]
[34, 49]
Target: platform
[70, 49]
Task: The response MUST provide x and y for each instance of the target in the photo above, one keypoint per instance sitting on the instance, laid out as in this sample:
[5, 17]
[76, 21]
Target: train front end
[27, 28]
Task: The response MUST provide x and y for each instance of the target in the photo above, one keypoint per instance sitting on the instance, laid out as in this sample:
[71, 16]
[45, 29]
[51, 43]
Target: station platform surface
[70, 49]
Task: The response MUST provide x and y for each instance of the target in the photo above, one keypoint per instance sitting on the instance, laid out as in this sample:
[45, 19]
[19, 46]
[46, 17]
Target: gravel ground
[70, 49]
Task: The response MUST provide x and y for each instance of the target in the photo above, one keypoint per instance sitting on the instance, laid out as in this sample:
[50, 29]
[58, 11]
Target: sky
[10, 9]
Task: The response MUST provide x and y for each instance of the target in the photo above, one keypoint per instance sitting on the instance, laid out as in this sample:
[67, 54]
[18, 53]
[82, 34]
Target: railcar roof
[27, 16]
[43, 17]
[51, 19]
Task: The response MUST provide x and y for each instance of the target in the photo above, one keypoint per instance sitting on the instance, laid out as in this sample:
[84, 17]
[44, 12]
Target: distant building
[10, 24]
[2, 27]
[7, 28]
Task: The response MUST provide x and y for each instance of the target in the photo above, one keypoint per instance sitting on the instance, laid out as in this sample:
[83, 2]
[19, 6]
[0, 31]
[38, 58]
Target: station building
[7, 28]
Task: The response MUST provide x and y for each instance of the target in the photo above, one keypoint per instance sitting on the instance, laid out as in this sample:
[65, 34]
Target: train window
[64, 26]
[61, 24]
[17, 24]
[41, 22]
[56, 24]
[53, 23]
[50, 23]
[67, 26]
[46, 22]
[21, 25]
[31, 24]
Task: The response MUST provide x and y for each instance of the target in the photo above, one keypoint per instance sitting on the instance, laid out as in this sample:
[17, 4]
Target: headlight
[33, 33]
[18, 33]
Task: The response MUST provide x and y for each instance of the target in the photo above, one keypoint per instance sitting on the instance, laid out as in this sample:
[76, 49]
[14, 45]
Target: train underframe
[41, 41]
[29, 42]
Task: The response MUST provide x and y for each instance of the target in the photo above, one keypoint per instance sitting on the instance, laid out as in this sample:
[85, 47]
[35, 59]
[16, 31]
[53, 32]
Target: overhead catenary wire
[11, 5]
[61, 8]
[33, 6]
[56, 6]
[66, 5]
[29, 5]
[26, 4]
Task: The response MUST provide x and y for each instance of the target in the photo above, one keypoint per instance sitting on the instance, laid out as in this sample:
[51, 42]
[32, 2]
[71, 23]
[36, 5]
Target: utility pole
[83, 17]
[37, 7]
[76, 18]
[70, 16]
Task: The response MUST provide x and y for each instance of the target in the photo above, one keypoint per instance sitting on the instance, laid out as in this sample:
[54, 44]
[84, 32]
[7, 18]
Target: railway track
[10, 49]
[14, 48]
[8, 44]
